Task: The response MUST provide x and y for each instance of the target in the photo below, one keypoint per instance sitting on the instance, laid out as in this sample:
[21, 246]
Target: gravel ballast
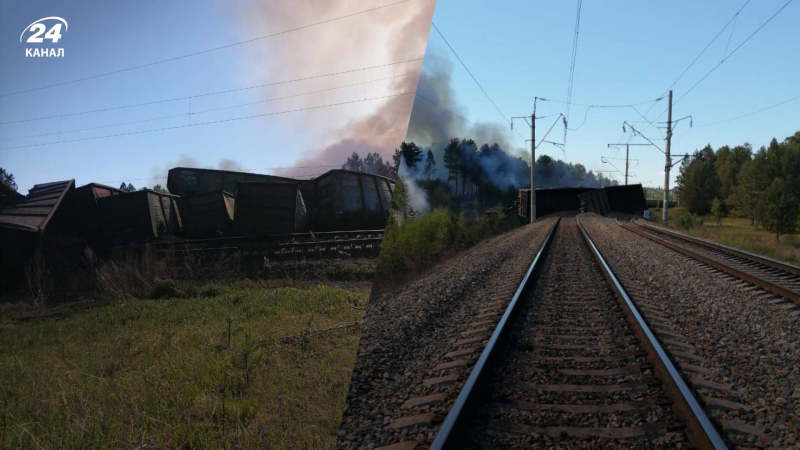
[746, 344]
[419, 343]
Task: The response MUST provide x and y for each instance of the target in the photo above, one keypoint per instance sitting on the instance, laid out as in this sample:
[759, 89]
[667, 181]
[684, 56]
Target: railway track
[572, 363]
[322, 245]
[773, 276]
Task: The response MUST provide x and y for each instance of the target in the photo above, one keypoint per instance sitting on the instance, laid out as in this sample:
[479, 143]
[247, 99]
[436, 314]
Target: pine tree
[777, 209]
[430, 165]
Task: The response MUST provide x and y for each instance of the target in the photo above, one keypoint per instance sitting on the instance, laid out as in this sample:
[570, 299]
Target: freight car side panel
[138, 216]
[268, 208]
[206, 215]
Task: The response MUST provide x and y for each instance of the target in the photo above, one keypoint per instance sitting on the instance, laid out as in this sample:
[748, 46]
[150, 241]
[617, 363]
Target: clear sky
[108, 36]
[628, 52]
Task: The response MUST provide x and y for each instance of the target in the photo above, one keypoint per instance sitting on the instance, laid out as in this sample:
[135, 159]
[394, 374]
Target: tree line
[763, 186]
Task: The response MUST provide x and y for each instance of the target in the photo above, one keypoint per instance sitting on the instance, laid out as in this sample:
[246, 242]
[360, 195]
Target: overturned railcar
[79, 215]
[22, 225]
[137, 217]
[349, 200]
[628, 199]
[207, 215]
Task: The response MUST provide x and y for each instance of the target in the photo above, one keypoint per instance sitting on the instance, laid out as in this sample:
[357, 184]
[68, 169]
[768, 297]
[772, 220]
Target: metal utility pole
[533, 157]
[627, 161]
[533, 162]
[668, 163]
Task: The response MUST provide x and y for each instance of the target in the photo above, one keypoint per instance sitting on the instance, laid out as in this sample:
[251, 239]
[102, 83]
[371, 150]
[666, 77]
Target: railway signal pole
[668, 163]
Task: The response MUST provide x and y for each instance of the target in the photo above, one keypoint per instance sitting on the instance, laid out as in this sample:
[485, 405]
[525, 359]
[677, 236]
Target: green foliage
[717, 210]
[763, 186]
[685, 220]
[400, 196]
[698, 182]
[414, 245]
[777, 209]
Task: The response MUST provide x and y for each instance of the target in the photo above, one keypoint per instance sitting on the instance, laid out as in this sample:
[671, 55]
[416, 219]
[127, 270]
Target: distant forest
[763, 186]
[465, 168]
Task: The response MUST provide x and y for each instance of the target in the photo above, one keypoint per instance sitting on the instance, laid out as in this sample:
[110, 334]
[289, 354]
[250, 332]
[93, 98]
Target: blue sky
[628, 52]
[107, 36]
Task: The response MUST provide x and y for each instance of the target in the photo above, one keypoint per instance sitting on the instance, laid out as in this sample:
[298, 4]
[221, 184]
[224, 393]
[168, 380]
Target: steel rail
[701, 431]
[780, 265]
[452, 431]
[750, 278]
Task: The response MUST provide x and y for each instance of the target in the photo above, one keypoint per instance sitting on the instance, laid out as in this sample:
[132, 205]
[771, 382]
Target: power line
[728, 55]
[470, 73]
[205, 51]
[243, 170]
[208, 94]
[734, 51]
[210, 122]
[702, 52]
[572, 63]
[750, 113]
[456, 114]
[209, 110]
[602, 106]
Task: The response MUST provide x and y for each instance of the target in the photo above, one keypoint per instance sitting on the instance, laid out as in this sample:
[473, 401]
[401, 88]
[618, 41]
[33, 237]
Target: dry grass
[243, 364]
[741, 234]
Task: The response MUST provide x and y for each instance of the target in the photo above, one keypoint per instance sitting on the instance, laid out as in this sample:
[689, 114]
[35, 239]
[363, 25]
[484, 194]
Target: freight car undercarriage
[284, 247]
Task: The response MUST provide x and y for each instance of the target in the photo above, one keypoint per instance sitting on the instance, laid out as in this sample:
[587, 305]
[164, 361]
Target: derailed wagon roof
[35, 212]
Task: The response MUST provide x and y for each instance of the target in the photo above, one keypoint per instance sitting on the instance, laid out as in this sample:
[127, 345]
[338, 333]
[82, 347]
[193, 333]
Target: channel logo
[43, 30]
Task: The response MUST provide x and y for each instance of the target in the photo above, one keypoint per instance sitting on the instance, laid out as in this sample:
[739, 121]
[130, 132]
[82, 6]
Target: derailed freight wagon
[79, 214]
[207, 215]
[267, 208]
[627, 199]
[137, 217]
[186, 181]
[23, 224]
[349, 200]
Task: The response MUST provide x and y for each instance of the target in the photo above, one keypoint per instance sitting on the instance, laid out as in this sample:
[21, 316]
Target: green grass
[741, 234]
[242, 365]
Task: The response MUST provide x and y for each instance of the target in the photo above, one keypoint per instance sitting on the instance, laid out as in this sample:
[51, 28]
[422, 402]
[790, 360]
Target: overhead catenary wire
[189, 114]
[242, 170]
[502, 114]
[750, 113]
[713, 69]
[691, 64]
[571, 77]
[208, 94]
[201, 52]
[734, 51]
[209, 122]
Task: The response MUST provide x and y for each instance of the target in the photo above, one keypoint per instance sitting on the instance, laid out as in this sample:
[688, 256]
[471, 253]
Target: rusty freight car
[79, 215]
[186, 181]
[207, 215]
[22, 225]
[349, 200]
[265, 208]
[138, 217]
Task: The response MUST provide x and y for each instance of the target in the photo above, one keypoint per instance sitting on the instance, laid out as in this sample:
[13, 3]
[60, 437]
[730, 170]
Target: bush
[686, 221]
[414, 245]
